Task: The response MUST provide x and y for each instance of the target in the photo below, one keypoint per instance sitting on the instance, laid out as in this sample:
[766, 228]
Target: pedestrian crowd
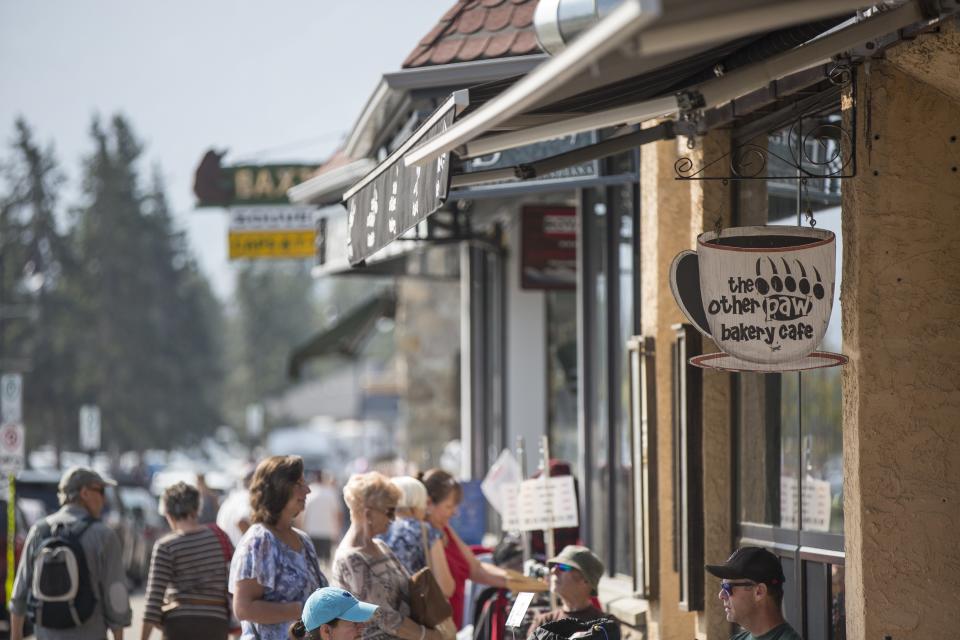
[255, 565]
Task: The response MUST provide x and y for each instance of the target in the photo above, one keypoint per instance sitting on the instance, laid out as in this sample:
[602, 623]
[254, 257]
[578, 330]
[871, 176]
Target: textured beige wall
[710, 202]
[665, 231]
[901, 305]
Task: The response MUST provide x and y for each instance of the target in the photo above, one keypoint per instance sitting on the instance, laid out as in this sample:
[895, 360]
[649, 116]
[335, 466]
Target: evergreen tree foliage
[147, 352]
[35, 335]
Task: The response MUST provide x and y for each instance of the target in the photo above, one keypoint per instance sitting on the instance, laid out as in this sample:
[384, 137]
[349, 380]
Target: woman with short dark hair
[187, 584]
[275, 567]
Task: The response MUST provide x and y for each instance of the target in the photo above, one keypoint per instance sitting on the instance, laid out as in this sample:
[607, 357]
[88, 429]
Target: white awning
[640, 29]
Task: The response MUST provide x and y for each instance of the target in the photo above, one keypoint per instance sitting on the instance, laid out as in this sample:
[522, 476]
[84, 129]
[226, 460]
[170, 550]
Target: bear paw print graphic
[786, 296]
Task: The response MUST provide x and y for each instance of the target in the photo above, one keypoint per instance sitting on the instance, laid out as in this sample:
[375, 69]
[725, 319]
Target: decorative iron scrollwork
[815, 146]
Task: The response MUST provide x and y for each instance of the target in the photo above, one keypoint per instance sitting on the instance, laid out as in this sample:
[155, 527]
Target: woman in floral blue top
[275, 567]
[409, 534]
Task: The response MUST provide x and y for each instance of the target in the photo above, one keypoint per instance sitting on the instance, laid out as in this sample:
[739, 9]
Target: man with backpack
[71, 580]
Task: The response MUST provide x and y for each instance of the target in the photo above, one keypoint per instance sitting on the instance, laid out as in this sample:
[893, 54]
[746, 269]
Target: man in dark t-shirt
[751, 590]
[574, 575]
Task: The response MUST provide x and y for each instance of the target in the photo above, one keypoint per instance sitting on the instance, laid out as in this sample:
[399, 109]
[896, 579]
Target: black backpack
[61, 596]
[571, 629]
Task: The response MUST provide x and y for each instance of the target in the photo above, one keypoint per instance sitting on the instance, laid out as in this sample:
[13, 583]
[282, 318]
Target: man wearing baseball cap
[81, 493]
[574, 575]
[751, 590]
[331, 613]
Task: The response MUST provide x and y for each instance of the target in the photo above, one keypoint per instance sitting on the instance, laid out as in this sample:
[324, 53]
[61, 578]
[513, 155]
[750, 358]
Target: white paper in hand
[520, 606]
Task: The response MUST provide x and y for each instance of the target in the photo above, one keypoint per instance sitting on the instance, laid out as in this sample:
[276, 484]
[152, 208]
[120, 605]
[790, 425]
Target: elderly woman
[415, 543]
[189, 567]
[275, 567]
[367, 567]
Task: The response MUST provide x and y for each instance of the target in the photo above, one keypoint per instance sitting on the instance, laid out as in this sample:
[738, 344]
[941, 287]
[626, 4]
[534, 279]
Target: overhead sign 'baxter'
[394, 198]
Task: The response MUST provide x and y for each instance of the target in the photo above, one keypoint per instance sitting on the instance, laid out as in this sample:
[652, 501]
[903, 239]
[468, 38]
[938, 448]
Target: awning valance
[393, 198]
[345, 336]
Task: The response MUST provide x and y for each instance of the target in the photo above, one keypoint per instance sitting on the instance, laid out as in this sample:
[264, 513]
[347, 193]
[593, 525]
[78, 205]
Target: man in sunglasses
[71, 578]
[574, 575]
[751, 590]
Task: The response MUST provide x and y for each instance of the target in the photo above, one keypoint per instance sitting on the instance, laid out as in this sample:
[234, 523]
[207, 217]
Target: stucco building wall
[901, 389]
[665, 230]
[711, 205]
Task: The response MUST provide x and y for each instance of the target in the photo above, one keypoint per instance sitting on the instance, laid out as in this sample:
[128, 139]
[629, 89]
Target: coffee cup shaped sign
[762, 294]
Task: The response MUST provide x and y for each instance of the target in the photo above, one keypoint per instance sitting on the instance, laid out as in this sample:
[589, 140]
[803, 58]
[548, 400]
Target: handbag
[428, 605]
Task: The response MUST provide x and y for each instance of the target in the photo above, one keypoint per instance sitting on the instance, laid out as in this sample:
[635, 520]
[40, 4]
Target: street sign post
[12, 453]
[90, 427]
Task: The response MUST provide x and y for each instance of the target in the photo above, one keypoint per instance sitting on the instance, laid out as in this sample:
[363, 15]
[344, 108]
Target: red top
[460, 570]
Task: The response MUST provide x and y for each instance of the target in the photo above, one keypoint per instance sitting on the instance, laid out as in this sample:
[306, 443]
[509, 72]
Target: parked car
[139, 527]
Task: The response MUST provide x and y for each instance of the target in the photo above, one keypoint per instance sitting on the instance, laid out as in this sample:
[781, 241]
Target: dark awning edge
[394, 198]
[345, 336]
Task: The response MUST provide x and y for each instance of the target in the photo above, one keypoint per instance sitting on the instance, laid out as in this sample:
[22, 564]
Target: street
[137, 603]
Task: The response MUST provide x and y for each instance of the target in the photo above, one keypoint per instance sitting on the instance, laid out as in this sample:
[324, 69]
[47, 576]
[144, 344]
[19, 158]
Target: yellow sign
[272, 244]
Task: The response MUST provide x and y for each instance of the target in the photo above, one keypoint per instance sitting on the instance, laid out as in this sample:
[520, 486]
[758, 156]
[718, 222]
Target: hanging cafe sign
[762, 294]
[394, 197]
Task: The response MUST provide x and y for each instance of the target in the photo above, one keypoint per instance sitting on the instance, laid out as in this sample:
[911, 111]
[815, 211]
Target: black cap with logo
[753, 563]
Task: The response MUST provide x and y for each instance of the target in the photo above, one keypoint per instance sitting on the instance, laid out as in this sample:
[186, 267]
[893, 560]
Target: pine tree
[35, 310]
[148, 346]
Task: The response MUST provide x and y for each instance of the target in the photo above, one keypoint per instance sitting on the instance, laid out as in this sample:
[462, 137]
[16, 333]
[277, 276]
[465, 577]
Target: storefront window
[607, 295]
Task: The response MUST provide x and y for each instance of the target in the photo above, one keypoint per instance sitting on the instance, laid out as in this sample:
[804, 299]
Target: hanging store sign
[394, 197]
[548, 255]
[762, 294]
[277, 232]
[218, 186]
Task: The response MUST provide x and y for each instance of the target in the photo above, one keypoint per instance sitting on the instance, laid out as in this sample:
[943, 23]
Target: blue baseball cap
[329, 603]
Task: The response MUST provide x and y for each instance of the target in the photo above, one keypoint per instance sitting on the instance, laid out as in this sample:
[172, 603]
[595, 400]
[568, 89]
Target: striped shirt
[187, 566]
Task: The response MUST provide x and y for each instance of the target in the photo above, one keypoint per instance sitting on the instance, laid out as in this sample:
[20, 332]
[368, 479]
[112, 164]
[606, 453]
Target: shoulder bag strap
[225, 543]
[425, 541]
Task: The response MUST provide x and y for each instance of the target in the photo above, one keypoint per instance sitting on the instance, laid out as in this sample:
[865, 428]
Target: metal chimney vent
[558, 22]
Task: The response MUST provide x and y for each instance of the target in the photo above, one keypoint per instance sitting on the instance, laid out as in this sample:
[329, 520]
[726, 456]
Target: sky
[270, 81]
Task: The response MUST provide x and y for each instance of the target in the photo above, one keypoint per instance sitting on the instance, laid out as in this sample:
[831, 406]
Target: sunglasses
[102, 490]
[559, 566]
[728, 587]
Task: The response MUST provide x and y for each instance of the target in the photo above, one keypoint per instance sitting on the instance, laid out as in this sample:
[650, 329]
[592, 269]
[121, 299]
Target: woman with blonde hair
[365, 565]
[416, 543]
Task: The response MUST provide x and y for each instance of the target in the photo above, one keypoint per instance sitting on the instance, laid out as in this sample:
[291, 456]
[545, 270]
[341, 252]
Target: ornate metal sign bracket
[816, 146]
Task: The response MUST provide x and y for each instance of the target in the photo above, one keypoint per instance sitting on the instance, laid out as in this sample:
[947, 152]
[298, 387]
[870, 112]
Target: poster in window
[548, 256]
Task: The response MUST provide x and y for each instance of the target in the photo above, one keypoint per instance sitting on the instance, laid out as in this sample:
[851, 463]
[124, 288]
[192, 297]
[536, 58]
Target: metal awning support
[531, 170]
[650, 30]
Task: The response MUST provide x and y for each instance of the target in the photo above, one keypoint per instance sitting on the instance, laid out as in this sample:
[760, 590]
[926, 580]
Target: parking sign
[11, 397]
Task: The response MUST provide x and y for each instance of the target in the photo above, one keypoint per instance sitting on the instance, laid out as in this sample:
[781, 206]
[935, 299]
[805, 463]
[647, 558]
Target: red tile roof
[478, 30]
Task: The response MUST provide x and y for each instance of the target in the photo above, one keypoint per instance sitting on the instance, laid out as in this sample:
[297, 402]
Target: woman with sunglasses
[331, 614]
[365, 565]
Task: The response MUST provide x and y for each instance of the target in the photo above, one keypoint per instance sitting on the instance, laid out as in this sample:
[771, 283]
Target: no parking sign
[11, 448]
